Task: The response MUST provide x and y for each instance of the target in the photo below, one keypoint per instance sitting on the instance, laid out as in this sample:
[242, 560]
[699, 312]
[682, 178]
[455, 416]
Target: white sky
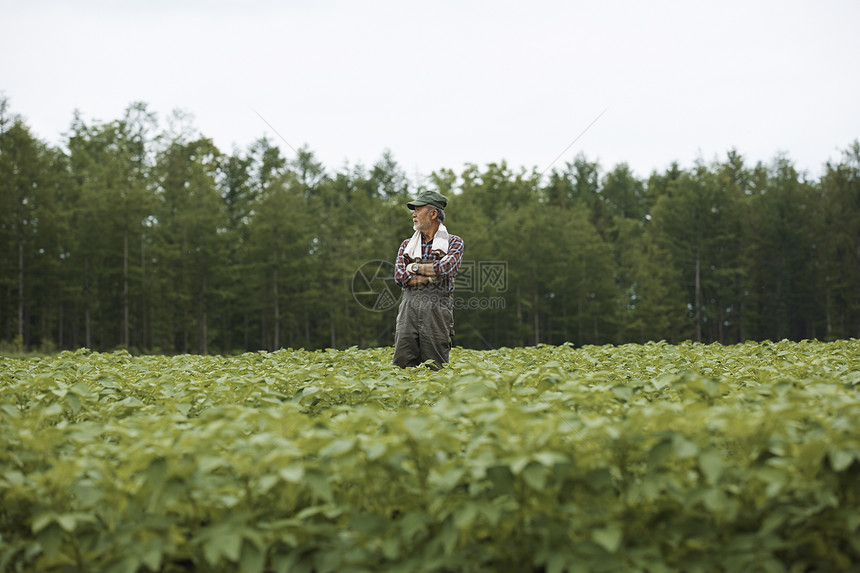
[446, 83]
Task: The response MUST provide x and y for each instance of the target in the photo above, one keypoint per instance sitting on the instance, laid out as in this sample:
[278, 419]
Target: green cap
[429, 198]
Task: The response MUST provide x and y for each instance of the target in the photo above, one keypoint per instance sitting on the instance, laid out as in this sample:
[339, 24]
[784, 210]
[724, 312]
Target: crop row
[641, 457]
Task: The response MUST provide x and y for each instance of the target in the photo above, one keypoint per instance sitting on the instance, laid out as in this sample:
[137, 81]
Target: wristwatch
[413, 268]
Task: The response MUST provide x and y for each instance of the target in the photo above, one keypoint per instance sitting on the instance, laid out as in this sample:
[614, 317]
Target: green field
[633, 458]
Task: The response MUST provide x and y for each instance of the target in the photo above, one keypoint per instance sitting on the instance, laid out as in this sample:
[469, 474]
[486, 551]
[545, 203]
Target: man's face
[422, 218]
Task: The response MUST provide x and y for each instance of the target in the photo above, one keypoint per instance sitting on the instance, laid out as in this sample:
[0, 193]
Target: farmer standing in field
[425, 267]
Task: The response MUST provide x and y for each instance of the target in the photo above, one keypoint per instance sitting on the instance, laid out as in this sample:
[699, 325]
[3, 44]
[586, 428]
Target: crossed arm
[445, 267]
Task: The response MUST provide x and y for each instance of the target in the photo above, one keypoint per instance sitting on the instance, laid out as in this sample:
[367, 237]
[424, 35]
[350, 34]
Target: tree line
[131, 235]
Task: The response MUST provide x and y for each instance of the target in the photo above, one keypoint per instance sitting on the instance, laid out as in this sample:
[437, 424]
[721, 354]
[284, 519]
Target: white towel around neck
[440, 243]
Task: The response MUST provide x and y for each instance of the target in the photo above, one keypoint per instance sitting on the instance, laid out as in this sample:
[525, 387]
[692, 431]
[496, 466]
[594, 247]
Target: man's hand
[418, 280]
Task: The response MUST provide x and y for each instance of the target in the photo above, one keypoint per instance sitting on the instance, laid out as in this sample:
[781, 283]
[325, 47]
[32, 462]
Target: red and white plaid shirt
[444, 267]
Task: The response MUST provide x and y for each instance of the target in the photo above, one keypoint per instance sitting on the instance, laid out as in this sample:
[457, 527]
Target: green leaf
[74, 402]
[11, 411]
[465, 515]
[550, 459]
[413, 523]
[293, 473]
[840, 460]
[711, 465]
[51, 539]
[319, 484]
[599, 479]
[253, 559]
[67, 522]
[224, 541]
[391, 548]
[417, 426]
[448, 538]
[446, 482]
[715, 500]
[660, 453]
[337, 447]
[156, 472]
[375, 450]
[152, 554]
[663, 380]
[493, 513]
[309, 391]
[127, 564]
[519, 464]
[54, 409]
[608, 537]
[556, 562]
[42, 521]
[625, 393]
[684, 448]
[535, 476]
[14, 478]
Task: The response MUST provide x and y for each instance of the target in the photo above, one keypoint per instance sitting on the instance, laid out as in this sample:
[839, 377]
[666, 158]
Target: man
[425, 267]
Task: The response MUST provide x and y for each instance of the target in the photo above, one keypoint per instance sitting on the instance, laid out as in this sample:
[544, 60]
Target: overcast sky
[441, 84]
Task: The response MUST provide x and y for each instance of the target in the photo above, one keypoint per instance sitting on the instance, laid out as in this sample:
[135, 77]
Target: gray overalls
[425, 325]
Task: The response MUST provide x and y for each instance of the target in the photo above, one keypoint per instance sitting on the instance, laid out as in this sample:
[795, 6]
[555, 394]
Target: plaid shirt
[445, 269]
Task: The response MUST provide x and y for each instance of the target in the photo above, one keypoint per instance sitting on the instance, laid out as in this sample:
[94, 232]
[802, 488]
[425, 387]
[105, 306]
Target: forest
[131, 234]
